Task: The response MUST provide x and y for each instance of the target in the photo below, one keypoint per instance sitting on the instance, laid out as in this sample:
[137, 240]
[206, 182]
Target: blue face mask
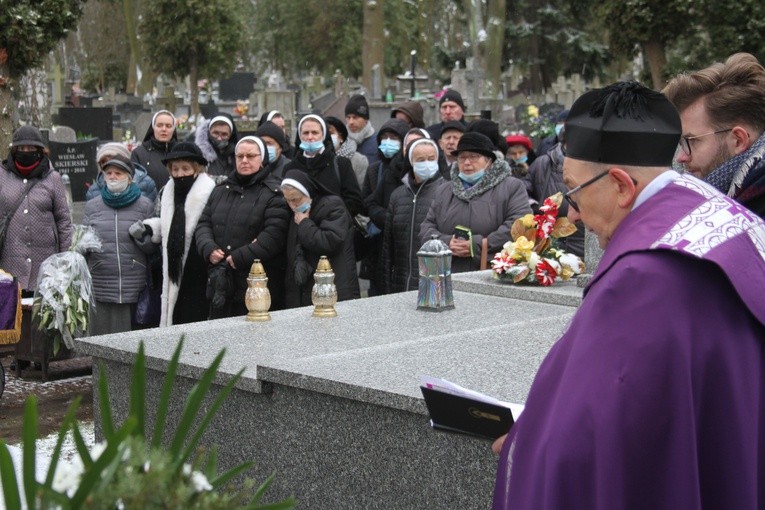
[311, 147]
[389, 148]
[472, 178]
[271, 154]
[558, 129]
[303, 208]
[522, 159]
[425, 169]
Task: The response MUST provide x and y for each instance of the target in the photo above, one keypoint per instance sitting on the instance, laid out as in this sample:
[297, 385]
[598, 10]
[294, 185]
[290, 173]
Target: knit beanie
[452, 95]
[357, 105]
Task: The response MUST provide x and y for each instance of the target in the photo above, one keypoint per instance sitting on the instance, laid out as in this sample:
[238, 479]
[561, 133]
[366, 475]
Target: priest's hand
[496, 446]
[459, 247]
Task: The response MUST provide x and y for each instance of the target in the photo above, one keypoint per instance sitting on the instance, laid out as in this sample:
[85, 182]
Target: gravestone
[87, 122]
[63, 134]
[238, 86]
[592, 255]
[78, 161]
[141, 125]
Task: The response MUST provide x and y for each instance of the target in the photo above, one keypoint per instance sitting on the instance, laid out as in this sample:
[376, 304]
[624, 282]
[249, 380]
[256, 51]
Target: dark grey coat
[40, 227]
[326, 231]
[488, 208]
[119, 270]
[408, 207]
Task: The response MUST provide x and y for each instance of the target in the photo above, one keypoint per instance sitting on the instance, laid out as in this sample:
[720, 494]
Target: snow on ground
[45, 447]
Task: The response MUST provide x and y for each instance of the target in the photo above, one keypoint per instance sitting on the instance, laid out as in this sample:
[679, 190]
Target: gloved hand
[137, 230]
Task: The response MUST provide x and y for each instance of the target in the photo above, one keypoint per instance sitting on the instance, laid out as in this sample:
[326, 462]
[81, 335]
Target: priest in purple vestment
[654, 396]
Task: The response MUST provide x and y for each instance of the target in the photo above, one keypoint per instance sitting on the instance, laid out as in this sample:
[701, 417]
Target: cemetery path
[67, 380]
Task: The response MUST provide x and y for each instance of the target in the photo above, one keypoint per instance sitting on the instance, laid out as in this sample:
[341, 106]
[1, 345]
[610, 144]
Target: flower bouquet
[64, 293]
[532, 256]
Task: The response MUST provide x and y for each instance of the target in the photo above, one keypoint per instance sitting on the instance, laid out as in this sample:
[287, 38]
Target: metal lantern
[324, 293]
[435, 262]
[257, 298]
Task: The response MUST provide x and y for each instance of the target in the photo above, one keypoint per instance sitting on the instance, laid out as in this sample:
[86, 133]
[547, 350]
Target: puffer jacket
[326, 231]
[488, 209]
[150, 155]
[248, 222]
[408, 207]
[40, 227]
[119, 271]
[141, 179]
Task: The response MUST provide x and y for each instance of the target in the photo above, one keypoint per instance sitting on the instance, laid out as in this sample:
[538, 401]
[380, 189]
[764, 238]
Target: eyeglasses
[570, 200]
[242, 157]
[685, 142]
[462, 157]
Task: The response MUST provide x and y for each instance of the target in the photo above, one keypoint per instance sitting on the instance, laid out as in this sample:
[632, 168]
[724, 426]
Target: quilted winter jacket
[41, 226]
[326, 231]
[488, 209]
[248, 223]
[119, 271]
[401, 238]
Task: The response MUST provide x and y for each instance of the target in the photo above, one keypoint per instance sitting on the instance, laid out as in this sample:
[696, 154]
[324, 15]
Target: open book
[453, 408]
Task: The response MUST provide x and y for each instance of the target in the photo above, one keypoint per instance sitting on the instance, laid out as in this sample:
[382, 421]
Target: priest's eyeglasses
[685, 142]
[570, 192]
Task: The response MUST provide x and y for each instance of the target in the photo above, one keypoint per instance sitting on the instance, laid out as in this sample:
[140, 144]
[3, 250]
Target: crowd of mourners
[182, 221]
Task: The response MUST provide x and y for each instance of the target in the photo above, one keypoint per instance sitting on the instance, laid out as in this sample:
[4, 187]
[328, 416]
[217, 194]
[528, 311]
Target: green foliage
[130, 470]
[31, 29]
[180, 36]
[633, 22]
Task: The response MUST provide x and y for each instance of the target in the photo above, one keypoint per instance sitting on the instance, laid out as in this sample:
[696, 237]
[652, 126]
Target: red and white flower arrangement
[531, 255]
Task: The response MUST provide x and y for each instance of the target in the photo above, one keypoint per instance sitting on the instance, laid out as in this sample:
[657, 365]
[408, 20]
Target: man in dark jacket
[360, 130]
[246, 218]
[217, 139]
[411, 113]
[451, 108]
[722, 109]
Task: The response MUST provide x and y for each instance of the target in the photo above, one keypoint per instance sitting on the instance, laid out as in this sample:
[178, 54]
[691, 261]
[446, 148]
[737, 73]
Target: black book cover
[454, 413]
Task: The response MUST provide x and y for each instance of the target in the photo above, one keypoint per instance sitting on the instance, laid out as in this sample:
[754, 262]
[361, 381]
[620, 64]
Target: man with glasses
[652, 398]
[722, 109]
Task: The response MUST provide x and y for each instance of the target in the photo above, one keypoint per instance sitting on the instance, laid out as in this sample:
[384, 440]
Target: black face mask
[183, 184]
[27, 159]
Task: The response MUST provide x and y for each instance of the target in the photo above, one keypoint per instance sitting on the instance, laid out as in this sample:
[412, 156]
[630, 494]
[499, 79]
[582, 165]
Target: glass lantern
[435, 262]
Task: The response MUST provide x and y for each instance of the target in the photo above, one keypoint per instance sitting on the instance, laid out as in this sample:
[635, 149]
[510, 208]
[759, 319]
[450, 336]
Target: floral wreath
[531, 256]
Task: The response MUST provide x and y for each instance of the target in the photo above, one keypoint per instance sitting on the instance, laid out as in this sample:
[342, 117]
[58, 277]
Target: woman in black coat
[246, 218]
[158, 142]
[321, 226]
[408, 207]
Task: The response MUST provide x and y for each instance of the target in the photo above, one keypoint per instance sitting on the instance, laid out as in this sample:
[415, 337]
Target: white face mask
[118, 186]
[335, 141]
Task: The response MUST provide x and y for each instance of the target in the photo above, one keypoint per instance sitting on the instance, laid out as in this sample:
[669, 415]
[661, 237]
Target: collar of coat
[496, 173]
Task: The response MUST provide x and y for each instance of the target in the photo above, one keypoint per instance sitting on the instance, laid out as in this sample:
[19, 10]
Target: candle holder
[257, 299]
[435, 262]
[324, 292]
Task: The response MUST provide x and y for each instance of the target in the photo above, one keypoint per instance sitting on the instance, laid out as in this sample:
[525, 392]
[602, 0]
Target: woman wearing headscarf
[184, 271]
[40, 225]
[346, 148]
[246, 218]
[216, 138]
[481, 201]
[106, 152]
[408, 207]
[158, 142]
[320, 226]
[277, 118]
[321, 163]
[119, 269]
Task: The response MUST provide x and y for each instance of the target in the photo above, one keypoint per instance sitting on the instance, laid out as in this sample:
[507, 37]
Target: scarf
[362, 135]
[729, 176]
[496, 173]
[120, 200]
[347, 148]
[34, 172]
[176, 238]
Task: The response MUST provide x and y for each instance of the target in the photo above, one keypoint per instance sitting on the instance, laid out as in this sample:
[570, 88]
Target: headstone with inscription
[87, 122]
[78, 161]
